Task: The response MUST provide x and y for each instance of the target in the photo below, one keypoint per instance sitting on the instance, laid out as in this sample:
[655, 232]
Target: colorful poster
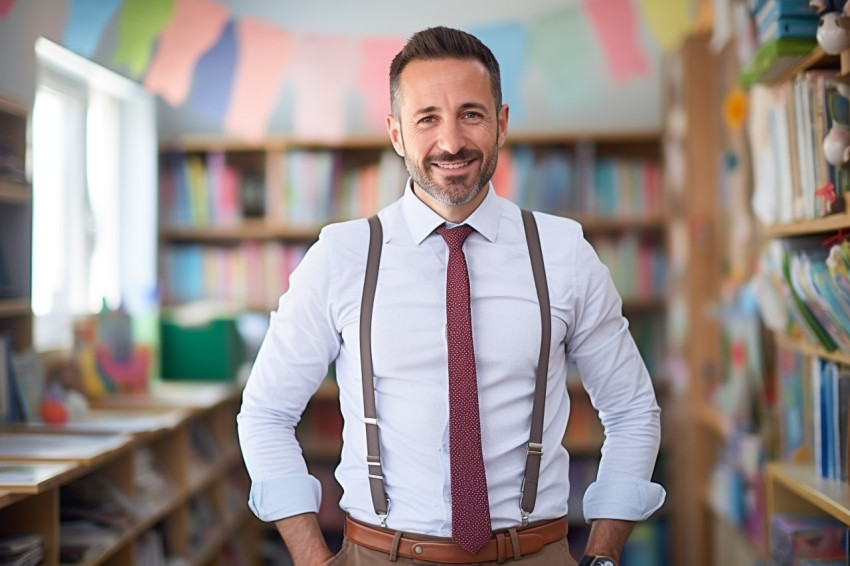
[616, 28]
[263, 53]
[138, 27]
[85, 24]
[376, 54]
[323, 74]
[562, 58]
[195, 27]
[509, 43]
[209, 95]
[668, 20]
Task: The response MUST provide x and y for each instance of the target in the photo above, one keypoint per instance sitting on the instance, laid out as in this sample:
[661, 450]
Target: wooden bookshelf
[36, 506]
[15, 227]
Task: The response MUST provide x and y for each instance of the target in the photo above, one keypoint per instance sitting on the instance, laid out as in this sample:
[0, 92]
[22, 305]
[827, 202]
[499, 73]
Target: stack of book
[21, 550]
[781, 19]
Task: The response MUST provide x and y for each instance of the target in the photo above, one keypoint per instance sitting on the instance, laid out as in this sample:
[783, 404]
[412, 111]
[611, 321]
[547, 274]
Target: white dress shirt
[317, 322]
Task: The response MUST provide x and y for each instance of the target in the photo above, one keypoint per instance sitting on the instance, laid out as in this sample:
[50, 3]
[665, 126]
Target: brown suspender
[535, 443]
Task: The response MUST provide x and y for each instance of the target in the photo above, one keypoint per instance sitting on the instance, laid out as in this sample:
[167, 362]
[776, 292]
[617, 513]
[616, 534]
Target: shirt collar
[422, 221]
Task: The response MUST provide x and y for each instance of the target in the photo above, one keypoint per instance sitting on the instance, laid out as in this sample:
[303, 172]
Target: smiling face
[449, 132]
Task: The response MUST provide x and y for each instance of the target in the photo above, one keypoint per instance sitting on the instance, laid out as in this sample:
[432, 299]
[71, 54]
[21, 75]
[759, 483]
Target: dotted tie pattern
[471, 528]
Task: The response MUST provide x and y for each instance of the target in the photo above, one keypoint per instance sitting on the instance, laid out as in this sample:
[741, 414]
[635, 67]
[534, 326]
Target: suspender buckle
[535, 449]
[374, 465]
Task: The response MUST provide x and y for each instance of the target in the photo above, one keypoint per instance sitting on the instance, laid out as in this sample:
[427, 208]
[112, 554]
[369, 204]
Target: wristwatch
[597, 561]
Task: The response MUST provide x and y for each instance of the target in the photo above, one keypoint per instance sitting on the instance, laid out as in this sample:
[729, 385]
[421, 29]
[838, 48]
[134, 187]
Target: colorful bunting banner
[509, 43]
[616, 27]
[376, 54]
[209, 96]
[561, 55]
[323, 73]
[196, 26]
[668, 20]
[86, 21]
[6, 7]
[263, 53]
[138, 27]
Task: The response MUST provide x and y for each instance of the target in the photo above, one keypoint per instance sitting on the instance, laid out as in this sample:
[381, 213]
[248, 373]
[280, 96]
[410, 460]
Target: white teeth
[452, 165]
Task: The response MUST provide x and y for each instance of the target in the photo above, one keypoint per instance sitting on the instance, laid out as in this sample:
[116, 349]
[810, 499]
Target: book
[32, 477]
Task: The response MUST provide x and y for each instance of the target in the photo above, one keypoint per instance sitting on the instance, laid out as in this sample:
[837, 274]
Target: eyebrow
[464, 106]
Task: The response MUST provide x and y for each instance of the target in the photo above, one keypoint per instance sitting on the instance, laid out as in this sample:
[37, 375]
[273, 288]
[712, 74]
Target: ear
[394, 130]
[504, 111]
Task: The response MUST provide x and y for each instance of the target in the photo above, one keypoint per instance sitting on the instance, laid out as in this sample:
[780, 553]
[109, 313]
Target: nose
[451, 138]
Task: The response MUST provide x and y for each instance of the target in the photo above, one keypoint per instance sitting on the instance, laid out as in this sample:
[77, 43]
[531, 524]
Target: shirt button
[417, 549]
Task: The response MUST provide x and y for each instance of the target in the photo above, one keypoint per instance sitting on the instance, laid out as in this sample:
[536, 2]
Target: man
[454, 319]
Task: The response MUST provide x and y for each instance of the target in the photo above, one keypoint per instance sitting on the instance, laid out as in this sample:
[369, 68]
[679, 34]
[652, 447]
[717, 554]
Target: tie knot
[455, 237]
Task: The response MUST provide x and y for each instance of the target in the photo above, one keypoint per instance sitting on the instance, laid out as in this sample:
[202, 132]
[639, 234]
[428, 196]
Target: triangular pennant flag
[195, 27]
[616, 28]
[85, 24]
[138, 27]
[209, 96]
[509, 44]
[263, 52]
[376, 54]
[323, 71]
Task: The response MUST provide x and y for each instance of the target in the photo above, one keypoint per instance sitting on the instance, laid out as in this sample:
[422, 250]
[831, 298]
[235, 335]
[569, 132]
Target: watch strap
[597, 561]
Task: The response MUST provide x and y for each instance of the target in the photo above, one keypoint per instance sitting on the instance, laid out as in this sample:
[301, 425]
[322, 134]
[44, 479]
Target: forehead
[438, 82]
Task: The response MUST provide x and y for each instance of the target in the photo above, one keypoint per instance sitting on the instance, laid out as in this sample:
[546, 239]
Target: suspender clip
[535, 449]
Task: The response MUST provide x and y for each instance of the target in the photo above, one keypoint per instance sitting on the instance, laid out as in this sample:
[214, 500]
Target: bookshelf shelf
[797, 488]
[249, 230]
[620, 223]
[807, 348]
[779, 60]
[713, 420]
[815, 226]
[12, 192]
[14, 307]
[37, 507]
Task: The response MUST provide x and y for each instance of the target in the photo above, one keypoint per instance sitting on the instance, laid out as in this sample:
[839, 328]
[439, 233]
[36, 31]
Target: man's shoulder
[554, 226]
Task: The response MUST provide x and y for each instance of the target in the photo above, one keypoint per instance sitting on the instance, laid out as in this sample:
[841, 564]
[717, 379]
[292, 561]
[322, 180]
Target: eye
[472, 115]
[426, 120]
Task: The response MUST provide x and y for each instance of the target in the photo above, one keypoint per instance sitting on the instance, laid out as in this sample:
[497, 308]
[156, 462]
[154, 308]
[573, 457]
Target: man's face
[448, 130]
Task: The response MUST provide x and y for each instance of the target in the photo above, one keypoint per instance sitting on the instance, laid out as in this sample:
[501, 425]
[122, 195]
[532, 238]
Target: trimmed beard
[462, 193]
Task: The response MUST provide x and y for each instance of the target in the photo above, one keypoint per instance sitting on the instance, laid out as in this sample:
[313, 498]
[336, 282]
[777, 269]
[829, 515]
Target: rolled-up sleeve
[620, 388]
[299, 345]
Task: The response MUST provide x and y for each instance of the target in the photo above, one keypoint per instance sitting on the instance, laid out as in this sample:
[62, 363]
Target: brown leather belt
[527, 540]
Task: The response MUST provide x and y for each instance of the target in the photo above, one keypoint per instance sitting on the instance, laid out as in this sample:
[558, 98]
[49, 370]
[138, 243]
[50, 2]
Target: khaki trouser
[351, 554]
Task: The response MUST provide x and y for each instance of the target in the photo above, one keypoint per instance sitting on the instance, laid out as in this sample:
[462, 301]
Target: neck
[454, 213]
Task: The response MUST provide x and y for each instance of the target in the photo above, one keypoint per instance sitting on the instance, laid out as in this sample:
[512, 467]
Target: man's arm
[608, 537]
[304, 540]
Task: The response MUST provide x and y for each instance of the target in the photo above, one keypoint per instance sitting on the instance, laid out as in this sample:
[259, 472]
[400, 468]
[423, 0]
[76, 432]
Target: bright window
[94, 191]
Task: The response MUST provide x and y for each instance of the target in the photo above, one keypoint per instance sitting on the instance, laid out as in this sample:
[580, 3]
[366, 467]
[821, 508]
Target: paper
[668, 20]
[84, 27]
[25, 476]
[263, 53]
[196, 26]
[616, 28]
[138, 27]
[209, 94]
[562, 57]
[58, 446]
[376, 54]
[322, 75]
[509, 43]
[6, 7]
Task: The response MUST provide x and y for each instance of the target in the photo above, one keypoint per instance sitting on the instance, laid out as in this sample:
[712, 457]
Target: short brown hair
[443, 43]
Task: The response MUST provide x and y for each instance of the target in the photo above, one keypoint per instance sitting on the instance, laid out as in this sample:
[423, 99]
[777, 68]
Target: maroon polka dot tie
[470, 505]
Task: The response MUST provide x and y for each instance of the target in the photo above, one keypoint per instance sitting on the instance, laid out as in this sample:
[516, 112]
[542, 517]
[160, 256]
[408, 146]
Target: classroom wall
[561, 78]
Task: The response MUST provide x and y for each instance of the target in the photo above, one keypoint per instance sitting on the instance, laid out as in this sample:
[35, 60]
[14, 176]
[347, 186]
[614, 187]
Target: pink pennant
[193, 30]
[615, 24]
[263, 54]
[323, 72]
[6, 7]
[376, 54]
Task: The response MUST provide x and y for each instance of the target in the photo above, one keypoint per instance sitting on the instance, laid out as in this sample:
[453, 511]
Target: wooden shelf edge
[806, 227]
[247, 230]
[806, 348]
[712, 419]
[830, 496]
[19, 306]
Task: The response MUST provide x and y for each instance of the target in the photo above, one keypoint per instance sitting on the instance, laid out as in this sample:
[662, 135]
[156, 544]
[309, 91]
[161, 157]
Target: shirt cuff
[622, 496]
[285, 496]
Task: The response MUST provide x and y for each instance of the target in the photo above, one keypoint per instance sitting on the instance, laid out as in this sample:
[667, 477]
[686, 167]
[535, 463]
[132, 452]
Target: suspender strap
[535, 443]
[370, 416]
